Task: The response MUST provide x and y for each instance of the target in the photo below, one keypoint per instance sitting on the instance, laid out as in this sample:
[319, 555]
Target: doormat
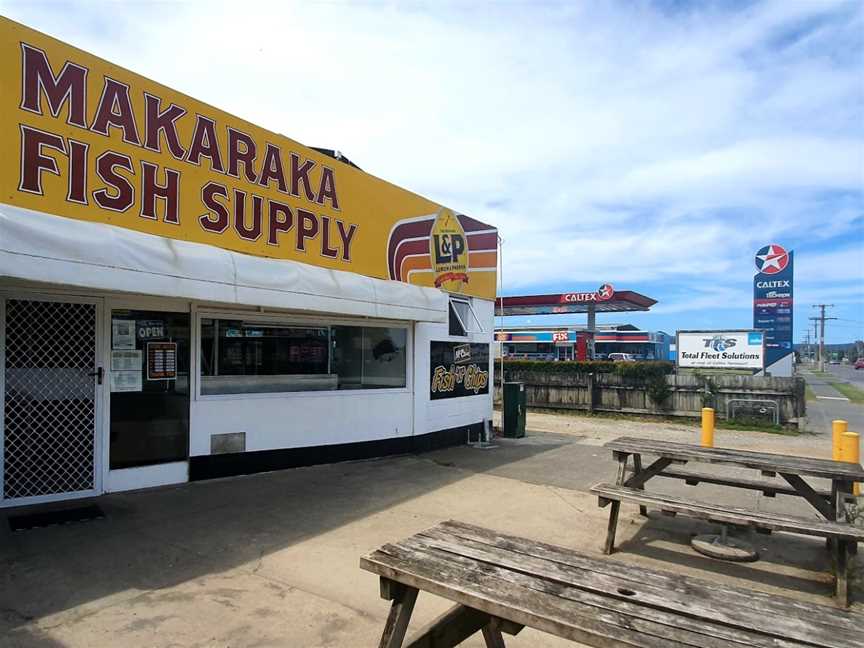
[52, 518]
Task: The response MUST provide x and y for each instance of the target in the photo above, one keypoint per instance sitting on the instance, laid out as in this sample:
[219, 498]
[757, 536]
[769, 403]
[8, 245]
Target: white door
[51, 377]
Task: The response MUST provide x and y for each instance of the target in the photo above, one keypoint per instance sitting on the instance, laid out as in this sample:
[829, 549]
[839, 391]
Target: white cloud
[838, 266]
[608, 141]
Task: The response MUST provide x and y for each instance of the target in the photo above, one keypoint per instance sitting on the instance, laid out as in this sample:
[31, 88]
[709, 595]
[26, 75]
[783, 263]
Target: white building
[184, 295]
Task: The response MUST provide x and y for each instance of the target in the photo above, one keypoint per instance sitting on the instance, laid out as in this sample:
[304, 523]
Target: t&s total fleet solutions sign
[772, 306]
[721, 350]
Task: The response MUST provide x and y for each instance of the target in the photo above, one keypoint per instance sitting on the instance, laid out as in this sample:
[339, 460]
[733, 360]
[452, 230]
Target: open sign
[150, 329]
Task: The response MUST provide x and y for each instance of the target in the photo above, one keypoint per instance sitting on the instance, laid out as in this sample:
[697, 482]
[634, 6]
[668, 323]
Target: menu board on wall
[161, 360]
[458, 369]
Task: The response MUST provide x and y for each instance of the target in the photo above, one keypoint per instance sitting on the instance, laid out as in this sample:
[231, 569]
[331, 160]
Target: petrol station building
[575, 342]
[550, 343]
[185, 295]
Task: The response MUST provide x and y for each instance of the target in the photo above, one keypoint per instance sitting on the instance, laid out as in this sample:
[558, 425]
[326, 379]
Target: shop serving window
[248, 357]
[462, 319]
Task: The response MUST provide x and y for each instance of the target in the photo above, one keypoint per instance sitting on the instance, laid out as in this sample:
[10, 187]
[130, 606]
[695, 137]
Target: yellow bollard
[838, 427]
[850, 450]
[707, 427]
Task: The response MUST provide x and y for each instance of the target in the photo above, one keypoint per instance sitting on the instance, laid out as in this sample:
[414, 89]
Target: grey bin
[514, 410]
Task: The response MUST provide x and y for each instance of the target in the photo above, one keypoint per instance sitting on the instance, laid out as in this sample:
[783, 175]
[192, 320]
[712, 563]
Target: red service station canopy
[604, 299]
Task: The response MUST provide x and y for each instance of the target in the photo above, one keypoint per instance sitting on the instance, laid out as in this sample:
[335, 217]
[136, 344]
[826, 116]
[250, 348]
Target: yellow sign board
[88, 140]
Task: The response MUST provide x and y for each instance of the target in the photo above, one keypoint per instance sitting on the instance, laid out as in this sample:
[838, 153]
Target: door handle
[98, 373]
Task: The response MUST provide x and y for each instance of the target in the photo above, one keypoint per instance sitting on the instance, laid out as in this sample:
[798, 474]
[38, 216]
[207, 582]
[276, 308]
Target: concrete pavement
[272, 559]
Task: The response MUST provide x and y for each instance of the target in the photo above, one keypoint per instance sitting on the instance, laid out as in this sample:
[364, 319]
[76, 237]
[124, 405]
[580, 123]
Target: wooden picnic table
[830, 504]
[501, 583]
[791, 468]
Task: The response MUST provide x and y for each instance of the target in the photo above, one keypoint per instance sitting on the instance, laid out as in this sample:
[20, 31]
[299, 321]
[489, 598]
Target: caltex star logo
[772, 259]
[605, 292]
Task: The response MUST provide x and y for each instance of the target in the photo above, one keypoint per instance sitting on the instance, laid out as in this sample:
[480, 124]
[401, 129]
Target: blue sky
[655, 146]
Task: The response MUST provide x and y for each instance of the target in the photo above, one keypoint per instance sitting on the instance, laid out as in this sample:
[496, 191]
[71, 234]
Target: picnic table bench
[501, 583]
[841, 535]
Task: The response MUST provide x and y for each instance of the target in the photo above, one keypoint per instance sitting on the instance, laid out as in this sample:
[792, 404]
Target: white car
[621, 357]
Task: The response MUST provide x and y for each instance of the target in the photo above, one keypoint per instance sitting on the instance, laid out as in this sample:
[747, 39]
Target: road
[847, 373]
[831, 404]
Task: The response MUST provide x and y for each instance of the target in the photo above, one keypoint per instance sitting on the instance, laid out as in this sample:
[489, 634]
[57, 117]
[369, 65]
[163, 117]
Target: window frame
[478, 328]
[157, 474]
[298, 320]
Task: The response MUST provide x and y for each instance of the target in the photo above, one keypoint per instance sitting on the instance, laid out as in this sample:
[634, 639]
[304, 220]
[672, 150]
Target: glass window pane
[239, 357]
[456, 324]
[149, 378]
[348, 356]
[268, 350]
[384, 357]
[209, 348]
[464, 311]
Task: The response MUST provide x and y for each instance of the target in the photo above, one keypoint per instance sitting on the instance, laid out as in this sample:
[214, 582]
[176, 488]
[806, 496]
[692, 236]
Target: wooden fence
[605, 392]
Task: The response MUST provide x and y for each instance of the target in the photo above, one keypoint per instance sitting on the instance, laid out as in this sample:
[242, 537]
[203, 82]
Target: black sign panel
[458, 369]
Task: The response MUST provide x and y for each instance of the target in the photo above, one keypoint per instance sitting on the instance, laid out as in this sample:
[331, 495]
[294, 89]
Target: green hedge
[627, 369]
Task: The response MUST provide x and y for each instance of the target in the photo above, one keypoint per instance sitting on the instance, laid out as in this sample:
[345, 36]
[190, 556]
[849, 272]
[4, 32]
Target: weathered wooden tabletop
[600, 602]
[826, 468]
[841, 536]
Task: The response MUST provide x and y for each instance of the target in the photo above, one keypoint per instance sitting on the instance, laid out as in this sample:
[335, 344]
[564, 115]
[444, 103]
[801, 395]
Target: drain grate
[52, 518]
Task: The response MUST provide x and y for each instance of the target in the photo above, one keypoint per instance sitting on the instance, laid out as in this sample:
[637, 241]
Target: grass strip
[850, 391]
[753, 426]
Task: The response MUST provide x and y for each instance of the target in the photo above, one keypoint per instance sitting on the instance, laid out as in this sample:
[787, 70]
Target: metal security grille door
[49, 440]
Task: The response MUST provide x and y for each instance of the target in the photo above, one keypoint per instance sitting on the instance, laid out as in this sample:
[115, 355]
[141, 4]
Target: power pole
[821, 320]
[807, 350]
[816, 352]
[816, 356]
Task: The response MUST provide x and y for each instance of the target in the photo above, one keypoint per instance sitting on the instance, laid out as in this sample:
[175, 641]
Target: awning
[53, 249]
[605, 300]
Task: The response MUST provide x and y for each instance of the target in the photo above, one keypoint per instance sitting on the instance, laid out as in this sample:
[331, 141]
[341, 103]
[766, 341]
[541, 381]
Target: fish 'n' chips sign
[458, 369]
[85, 139]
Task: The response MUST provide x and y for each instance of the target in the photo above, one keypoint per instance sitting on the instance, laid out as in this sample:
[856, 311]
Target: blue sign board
[773, 302]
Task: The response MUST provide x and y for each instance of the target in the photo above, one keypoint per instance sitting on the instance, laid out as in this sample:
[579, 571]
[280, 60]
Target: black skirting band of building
[247, 463]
